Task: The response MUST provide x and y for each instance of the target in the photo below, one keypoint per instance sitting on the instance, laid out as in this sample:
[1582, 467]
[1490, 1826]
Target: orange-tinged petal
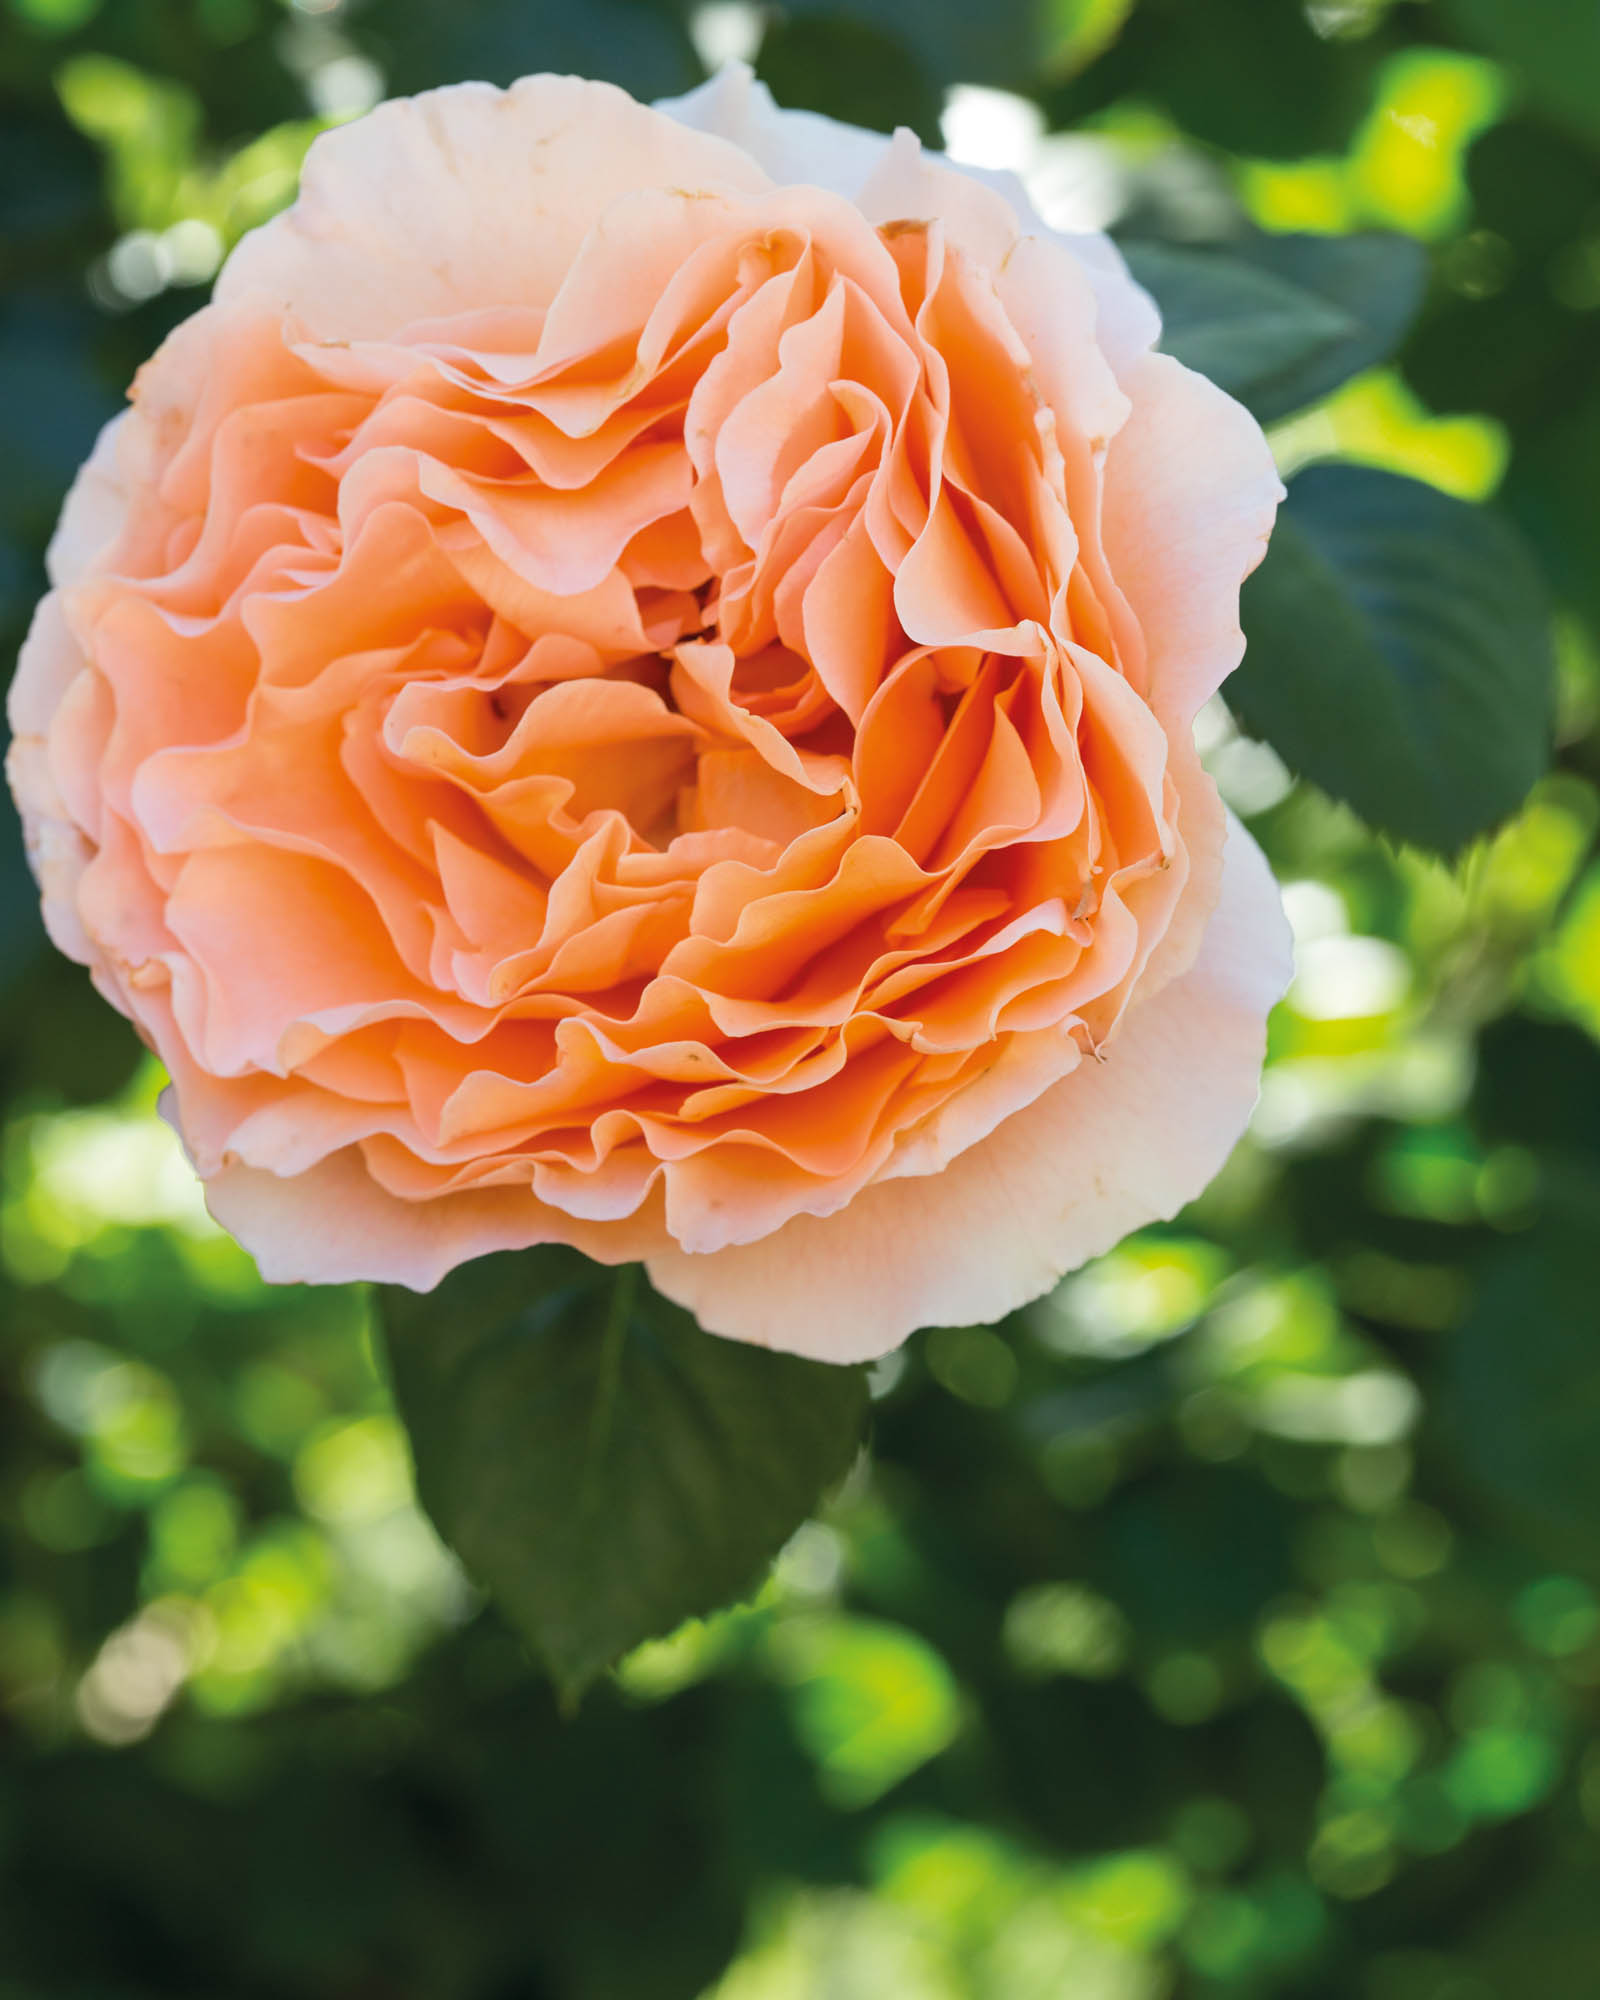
[1110, 1147]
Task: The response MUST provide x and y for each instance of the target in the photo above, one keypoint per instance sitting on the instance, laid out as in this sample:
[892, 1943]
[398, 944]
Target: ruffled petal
[803, 148]
[1113, 1146]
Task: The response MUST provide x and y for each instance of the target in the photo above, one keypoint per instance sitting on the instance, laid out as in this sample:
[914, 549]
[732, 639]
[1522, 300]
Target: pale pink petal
[332, 1224]
[95, 507]
[50, 661]
[1190, 496]
[466, 195]
[1129, 324]
[57, 852]
[987, 214]
[797, 148]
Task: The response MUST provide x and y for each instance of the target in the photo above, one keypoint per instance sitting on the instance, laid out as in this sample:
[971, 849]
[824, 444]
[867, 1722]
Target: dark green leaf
[1533, 185]
[1553, 494]
[1555, 44]
[1521, 1403]
[61, 404]
[1375, 279]
[1249, 77]
[955, 42]
[627, 42]
[1281, 321]
[1399, 654]
[1241, 326]
[602, 1466]
[1538, 1084]
[50, 178]
[20, 925]
[848, 70]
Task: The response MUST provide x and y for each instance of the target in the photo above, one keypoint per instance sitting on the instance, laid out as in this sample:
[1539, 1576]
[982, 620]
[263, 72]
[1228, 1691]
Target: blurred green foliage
[1227, 1625]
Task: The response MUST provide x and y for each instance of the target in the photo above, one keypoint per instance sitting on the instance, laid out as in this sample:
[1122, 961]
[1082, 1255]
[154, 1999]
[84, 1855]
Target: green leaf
[1281, 321]
[1375, 278]
[1077, 31]
[1520, 1402]
[1003, 42]
[1399, 654]
[1246, 77]
[1239, 325]
[1554, 44]
[603, 1467]
[633, 43]
[848, 70]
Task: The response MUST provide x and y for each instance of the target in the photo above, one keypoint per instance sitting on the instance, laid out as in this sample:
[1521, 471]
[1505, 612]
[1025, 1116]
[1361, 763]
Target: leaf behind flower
[1399, 654]
[1281, 321]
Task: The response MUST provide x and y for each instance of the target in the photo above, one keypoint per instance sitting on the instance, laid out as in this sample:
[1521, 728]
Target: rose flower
[629, 682]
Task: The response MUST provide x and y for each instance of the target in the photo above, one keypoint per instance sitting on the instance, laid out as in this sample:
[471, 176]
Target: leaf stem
[613, 1337]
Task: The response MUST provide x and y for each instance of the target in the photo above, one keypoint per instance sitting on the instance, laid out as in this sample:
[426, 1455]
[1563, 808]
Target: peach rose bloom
[629, 682]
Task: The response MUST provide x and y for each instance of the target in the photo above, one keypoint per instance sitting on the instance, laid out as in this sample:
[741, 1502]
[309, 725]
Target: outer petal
[797, 148]
[333, 1225]
[801, 147]
[48, 665]
[1190, 496]
[95, 508]
[1130, 325]
[49, 662]
[1109, 1148]
[464, 195]
[57, 852]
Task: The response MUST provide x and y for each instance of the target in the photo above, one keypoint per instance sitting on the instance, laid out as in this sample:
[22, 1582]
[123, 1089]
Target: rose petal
[1191, 495]
[794, 147]
[333, 1225]
[466, 194]
[1111, 1147]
